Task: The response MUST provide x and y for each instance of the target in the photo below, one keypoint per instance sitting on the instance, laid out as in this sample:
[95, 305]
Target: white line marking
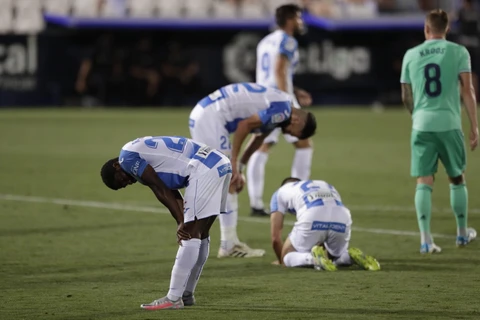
[126, 207]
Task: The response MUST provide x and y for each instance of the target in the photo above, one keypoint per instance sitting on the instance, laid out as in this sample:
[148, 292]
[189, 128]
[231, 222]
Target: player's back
[432, 68]
[268, 51]
[169, 156]
[307, 194]
[238, 101]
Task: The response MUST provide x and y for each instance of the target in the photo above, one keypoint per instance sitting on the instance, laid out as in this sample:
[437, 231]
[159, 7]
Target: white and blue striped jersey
[239, 101]
[170, 157]
[268, 50]
[299, 197]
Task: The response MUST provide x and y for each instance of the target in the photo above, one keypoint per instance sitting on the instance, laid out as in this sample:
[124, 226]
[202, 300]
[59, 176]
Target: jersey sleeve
[405, 76]
[276, 113]
[288, 46]
[277, 203]
[464, 62]
[132, 163]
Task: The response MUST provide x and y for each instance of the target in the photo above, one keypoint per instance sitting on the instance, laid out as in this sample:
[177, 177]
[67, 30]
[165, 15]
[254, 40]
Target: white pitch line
[126, 207]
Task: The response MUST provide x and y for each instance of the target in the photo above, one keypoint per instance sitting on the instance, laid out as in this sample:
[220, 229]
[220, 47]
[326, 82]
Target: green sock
[459, 203]
[423, 206]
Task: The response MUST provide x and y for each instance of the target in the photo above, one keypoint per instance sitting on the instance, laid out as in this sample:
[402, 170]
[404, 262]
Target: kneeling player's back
[433, 69]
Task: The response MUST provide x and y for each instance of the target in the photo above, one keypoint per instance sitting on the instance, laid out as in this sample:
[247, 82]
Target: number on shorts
[225, 143]
[433, 86]
[177, 146]
[266, 65]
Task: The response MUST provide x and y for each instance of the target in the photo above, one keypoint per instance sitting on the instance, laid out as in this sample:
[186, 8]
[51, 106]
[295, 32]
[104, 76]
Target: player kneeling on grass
[166, 164]
[321, 219]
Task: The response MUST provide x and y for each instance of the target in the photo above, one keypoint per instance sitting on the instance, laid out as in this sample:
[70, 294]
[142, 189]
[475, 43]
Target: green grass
[64, 261]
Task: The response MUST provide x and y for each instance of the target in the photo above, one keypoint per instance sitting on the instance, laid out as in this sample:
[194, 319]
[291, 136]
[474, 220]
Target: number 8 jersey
[432, 68]
[268, 49]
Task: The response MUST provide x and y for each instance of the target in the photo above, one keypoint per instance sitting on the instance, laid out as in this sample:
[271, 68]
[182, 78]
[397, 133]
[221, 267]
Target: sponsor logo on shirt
[135, 167]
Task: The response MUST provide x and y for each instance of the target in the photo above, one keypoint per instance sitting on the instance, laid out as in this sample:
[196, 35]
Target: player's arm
[169, 198]
[252, 146]
[276, 227]
[407, 96]
[243, 130]
[470, 101]
[281, 72]
[304, 98]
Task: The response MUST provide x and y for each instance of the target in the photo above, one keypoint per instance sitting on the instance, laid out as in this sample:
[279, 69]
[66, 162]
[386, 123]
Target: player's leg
[217, 203]
[256, 173]
[453, 156]
[424, 162]
[302, 161]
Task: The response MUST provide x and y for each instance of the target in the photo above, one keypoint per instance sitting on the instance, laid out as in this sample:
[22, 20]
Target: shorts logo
[278, 118]
[334, 226]
[224, 169]
[191, 123]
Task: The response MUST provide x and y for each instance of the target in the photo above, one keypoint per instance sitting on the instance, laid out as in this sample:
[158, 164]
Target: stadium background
[79, 78]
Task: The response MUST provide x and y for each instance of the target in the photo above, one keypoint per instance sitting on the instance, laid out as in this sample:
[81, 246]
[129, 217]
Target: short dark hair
[289, 179]
[310, 126]
[108, 174]
[437, 20]
[285, 12]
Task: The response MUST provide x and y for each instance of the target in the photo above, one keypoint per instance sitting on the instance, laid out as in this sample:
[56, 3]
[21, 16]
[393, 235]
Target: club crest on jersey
[278, 118]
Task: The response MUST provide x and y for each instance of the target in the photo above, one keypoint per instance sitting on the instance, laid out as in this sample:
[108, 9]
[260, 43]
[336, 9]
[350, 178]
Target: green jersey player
[431, 91]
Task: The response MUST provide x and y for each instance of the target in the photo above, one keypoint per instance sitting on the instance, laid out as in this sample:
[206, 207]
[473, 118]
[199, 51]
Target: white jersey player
[277, 58]
[166, 164]
[323, 222]
[241, 109]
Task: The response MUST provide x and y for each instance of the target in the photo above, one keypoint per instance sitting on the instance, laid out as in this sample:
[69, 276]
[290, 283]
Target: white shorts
[330, 225]
[206, 127]
[207, 190]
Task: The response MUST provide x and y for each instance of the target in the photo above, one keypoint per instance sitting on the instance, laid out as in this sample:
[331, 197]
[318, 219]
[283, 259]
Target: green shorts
[429, 147]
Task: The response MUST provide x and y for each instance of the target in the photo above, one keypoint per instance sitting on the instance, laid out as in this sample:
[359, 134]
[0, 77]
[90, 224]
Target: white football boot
[241, 250]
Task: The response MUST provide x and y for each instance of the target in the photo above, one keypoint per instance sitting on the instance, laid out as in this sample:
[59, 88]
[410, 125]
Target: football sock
[256, 178]
[187, 256]
[459, 203]
[298, 259]
[197, 269]
[302, 161]
[343, 260]
[423, 206]
[228, 223]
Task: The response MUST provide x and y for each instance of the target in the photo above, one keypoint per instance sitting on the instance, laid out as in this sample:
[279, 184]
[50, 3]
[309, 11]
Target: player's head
[301, 124]
[289, 179]
[289, 17]
[436, 24]
[114, 176]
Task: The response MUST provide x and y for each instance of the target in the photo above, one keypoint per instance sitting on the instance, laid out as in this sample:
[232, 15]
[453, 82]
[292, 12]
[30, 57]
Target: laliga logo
[239, 59]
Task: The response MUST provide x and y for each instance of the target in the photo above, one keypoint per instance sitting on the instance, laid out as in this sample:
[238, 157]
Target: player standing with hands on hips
[277, 57]
[430, 91]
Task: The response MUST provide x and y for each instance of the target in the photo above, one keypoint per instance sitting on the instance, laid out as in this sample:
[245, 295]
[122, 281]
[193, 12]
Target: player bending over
[321, 219]
[166, 164]
[430, 91]
[241, 109]
[277, 58]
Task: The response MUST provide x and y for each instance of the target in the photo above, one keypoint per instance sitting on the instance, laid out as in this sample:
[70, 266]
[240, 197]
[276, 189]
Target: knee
[457, 180]
[426, 180]
[288, 260]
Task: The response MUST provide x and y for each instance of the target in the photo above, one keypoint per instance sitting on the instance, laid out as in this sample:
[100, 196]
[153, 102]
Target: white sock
[298, 259]
[302, 162]
[343, 260]
[256, 178]
[187, 256]
[197, 269]
[426, 237]
[228, 223]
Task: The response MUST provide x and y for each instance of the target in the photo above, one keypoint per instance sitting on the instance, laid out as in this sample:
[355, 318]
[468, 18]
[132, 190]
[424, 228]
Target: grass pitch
[72, 249]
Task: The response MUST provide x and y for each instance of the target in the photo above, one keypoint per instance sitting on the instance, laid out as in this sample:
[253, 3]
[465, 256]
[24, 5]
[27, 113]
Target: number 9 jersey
[268, 50]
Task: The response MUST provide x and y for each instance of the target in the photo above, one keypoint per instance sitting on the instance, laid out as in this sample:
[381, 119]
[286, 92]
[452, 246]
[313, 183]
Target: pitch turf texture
[72, 249]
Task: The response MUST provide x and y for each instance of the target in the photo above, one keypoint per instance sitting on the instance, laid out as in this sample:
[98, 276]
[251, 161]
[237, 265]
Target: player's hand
[237, 182]
[304, 98]
[240, 183]
[182, 234]
[473, 138]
